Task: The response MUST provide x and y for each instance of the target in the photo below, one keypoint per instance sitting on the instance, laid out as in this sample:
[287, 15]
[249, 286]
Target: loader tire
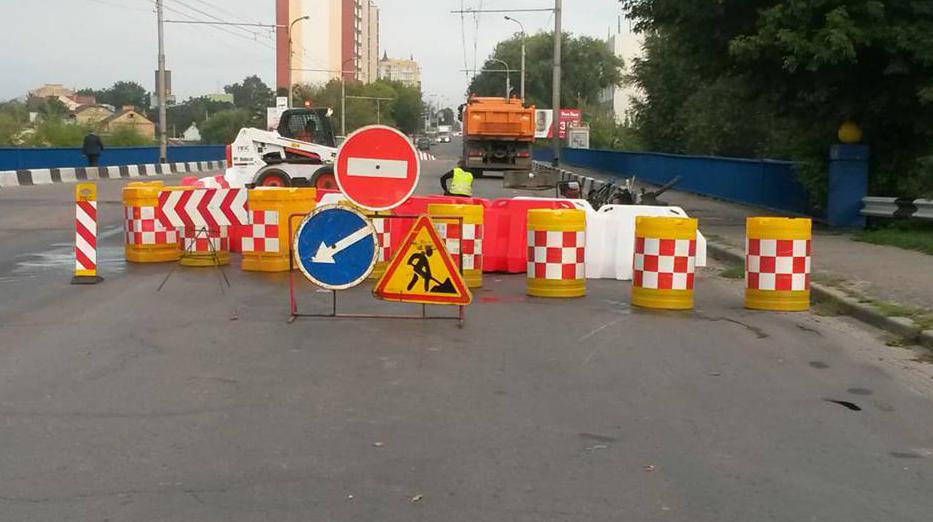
[274, 178]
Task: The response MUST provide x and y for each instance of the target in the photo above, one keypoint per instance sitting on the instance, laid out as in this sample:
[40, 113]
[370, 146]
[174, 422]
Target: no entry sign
[377, 168]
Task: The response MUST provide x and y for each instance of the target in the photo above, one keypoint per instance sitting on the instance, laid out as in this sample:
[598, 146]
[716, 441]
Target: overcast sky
[93, 43]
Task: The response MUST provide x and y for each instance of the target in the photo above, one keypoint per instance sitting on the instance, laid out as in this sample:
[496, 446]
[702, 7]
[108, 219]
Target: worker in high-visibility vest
[460, 182]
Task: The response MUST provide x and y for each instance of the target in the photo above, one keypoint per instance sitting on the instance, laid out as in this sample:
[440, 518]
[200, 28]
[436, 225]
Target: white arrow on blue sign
[335, 247]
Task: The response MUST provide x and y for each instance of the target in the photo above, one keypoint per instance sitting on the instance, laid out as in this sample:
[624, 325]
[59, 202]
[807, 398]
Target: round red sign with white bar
[377, 168]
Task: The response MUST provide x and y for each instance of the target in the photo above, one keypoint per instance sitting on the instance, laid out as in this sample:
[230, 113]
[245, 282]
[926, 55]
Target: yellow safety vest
[462, 183]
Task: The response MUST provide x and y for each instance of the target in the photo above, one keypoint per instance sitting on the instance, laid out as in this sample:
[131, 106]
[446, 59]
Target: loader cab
[310, 125]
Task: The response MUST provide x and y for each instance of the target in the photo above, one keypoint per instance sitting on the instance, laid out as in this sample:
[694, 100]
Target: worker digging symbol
[421, 267]
[423, 271]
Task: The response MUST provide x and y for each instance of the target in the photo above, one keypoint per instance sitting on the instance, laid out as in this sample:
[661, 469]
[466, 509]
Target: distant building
[220, 97]
[89, 115]
[369, 68]
[407, 72]
[619, 100]
[129, 117]
[191, 134]
[340, 38]
[51, 90]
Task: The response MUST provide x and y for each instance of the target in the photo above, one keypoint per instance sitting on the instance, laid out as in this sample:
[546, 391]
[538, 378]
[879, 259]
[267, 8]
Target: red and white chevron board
[203, 208]
[86, 238]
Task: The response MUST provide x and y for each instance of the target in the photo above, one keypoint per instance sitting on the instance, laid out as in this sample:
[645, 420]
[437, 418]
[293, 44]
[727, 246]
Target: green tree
[223, 127]
[14, 117]
[194, 110]
[403, 109]
[779, 76]
[120, 94]
[55, 132]
[253, 96]
[588, 68]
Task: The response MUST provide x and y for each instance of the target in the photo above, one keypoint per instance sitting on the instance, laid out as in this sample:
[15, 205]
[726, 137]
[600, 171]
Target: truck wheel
[324, 179]
[274, 178]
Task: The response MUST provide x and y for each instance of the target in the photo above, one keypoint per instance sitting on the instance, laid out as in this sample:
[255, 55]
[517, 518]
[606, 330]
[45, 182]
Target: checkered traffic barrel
[664, 263]
[463, 237]
[777, 264]
[556, 253]
[265, 242]
[146, 239]
[383, 242]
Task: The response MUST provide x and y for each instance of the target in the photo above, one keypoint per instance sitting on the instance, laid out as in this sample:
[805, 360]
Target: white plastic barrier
[332, 198]
[619, 238]
[610, 237]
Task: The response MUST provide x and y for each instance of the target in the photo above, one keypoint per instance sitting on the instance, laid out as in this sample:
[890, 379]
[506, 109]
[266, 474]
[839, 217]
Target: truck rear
[497, 134]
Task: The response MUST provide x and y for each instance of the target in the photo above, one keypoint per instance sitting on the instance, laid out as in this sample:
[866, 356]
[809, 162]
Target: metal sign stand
[214, 257]
[335, 313]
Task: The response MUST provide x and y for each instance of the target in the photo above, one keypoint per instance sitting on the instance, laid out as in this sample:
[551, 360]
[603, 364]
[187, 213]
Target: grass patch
[906, 235]
[733, 272]
[898, 342]
[922, 317]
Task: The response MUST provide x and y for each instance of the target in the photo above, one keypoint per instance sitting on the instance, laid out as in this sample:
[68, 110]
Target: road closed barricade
[778, 263]
[505, 245]
[200, 246]
[461, 229]
[146, 239]
[556, 253]
[664, 262]
[265, 241]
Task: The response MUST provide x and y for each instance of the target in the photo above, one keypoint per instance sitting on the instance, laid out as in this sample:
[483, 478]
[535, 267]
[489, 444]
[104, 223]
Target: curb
[32, 177]
[900, 326]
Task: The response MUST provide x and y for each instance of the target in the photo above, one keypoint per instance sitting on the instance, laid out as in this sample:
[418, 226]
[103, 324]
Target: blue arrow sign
[335, 247]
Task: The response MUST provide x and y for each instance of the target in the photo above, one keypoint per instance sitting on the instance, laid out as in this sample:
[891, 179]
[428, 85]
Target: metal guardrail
[897, 208]
[924, 209]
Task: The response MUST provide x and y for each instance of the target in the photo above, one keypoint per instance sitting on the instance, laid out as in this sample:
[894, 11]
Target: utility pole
[557, 74]
[163, 143]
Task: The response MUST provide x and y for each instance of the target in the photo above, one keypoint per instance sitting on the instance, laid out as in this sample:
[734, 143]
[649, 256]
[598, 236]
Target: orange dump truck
[497, 134]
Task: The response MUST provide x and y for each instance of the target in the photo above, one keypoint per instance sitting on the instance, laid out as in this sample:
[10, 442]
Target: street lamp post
[343, 95]
[523, 53]
[508, 85]
[291, 84]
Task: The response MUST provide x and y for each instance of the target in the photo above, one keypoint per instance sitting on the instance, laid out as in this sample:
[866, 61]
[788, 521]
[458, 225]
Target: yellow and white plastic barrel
[664, 265]
[463, 237]
[266, 242]
[556, 253]
[778, 263]
[146, 239]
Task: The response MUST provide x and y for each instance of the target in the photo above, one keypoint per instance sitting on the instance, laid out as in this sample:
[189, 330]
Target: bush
[222, 128]
[125, 136]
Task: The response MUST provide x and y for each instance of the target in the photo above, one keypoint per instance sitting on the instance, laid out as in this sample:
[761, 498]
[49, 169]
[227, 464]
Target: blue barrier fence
[765, 183]
[44, 158]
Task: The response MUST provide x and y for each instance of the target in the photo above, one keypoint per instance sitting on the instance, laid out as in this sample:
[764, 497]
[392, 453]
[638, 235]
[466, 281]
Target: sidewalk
[882, 273]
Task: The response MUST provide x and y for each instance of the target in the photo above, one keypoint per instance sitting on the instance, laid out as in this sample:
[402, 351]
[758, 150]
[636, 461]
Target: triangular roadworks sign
[422, 271]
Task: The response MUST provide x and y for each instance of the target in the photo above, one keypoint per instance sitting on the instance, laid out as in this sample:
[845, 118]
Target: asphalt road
[121, 403]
